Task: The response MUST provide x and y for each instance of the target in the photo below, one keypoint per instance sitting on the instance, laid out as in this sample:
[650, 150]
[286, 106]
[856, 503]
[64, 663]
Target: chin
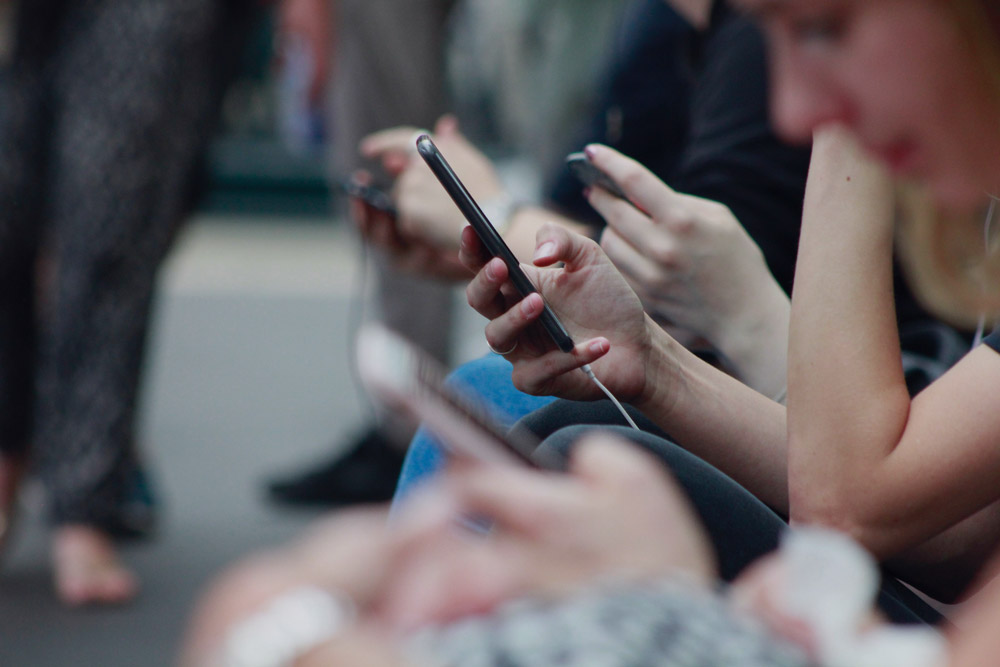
[960, 196]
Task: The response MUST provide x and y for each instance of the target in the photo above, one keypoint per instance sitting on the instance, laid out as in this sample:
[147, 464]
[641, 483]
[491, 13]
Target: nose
[803, 98]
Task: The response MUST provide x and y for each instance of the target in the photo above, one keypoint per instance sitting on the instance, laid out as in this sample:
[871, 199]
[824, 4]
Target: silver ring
[502, 354]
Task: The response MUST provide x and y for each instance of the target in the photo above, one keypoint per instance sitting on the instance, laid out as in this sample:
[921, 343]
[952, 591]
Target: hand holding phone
[370, 194]
[488, 234]
[581, 167]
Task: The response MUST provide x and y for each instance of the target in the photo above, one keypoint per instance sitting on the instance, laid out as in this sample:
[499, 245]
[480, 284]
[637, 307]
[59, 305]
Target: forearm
[754, 346]
[718, 418]
[847, 400]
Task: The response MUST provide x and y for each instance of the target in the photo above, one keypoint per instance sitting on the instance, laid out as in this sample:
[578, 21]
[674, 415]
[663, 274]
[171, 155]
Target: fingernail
[590, 151]
[599, 346]
[529, 306]
[546, 250]
[490, 273]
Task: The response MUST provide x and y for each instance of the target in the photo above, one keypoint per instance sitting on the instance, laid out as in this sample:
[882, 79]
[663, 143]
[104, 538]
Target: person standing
[388, 68]
[106, 107]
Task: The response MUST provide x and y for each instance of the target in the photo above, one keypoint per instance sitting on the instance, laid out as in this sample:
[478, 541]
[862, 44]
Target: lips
[900, 156]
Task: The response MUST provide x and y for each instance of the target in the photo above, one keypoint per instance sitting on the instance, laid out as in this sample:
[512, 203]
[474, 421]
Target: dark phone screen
[489, 236]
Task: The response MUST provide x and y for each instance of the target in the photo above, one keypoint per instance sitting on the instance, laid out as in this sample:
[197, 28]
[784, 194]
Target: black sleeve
[642, 107]
[993, 340]
[733, 155]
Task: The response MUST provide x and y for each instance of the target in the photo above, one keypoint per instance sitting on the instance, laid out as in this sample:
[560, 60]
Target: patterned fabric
[670, 623]
[105, 110]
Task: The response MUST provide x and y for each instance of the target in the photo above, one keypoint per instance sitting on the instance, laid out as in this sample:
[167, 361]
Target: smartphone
[581, 167]
[488, 234]
[372, 195]
[405, 379]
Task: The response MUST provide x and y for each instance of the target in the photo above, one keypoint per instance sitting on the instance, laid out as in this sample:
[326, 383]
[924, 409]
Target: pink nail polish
[545, 250]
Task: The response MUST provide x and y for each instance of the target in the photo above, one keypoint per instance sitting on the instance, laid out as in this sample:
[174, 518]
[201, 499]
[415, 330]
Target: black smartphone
[409, 382]
[488, 234]
[581, 167]
[372, 195]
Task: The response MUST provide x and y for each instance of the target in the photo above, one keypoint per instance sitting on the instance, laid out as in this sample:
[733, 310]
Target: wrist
[289, 627]
[662, 373]
[754, 344]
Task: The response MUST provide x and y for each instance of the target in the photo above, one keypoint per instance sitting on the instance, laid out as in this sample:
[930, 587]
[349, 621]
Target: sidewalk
[248, 375]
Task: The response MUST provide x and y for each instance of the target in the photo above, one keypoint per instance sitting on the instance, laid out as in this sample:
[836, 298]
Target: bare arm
[862, 456]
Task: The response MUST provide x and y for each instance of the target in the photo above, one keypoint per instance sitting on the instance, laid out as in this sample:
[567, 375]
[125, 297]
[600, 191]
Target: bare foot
[87, 568]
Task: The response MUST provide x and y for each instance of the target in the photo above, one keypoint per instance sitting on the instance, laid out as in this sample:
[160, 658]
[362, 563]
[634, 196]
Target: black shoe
[366, 474]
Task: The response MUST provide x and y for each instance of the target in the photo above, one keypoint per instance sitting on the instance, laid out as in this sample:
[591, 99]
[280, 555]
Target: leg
[389, 69]
[22, 149]
[136, 91]
[486, 380]
[741, 527]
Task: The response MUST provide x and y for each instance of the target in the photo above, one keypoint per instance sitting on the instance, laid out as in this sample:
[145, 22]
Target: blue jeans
[486, 380]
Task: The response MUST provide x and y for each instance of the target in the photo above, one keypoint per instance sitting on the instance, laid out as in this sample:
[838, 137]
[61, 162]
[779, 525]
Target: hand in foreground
[689, 259]
[409, 254]
[616, 516]
[425, 210]
[594, 303]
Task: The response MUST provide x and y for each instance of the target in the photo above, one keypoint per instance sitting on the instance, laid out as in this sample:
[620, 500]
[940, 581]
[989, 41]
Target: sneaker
[366, 474]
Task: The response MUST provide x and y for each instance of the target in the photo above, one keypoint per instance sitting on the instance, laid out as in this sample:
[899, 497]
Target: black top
[993, 340]
[692, 106]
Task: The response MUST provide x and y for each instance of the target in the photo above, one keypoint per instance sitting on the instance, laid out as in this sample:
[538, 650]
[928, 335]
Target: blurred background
[248, 370]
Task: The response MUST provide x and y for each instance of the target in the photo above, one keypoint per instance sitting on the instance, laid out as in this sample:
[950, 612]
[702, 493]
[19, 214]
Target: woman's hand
[426, 211]
[695, 268]
[589, 296]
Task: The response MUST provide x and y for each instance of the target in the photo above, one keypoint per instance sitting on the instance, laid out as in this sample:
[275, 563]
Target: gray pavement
[248, 375]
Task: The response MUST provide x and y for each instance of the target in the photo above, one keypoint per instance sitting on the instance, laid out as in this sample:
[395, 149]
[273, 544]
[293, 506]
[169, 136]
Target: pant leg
[389, 70]
[136, 87]
[741, 527]
[485, 380]
[22, 159]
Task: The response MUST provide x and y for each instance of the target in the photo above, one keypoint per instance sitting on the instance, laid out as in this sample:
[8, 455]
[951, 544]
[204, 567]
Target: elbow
[837, 508]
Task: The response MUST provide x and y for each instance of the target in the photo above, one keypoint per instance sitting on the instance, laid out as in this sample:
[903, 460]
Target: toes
[88, 570]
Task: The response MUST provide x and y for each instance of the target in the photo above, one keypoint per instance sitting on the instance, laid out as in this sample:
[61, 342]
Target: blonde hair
[951, 260]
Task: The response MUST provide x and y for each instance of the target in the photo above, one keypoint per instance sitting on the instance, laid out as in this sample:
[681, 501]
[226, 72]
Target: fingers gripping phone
[488, 234]
[371, 195]
[581, 167]
[406, 379]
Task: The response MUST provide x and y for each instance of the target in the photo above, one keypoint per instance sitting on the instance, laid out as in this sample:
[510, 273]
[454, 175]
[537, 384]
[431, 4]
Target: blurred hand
[414, 255]
[689, 259]
[593, 301]
[351, 553]
[312, 22]
[425, 210]
[616, 515]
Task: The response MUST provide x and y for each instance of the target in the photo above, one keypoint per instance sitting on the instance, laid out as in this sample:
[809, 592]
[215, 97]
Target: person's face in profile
[900, 73]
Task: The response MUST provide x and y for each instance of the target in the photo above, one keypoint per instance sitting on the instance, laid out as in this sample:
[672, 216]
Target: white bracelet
[290, 626]
[499, 210]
